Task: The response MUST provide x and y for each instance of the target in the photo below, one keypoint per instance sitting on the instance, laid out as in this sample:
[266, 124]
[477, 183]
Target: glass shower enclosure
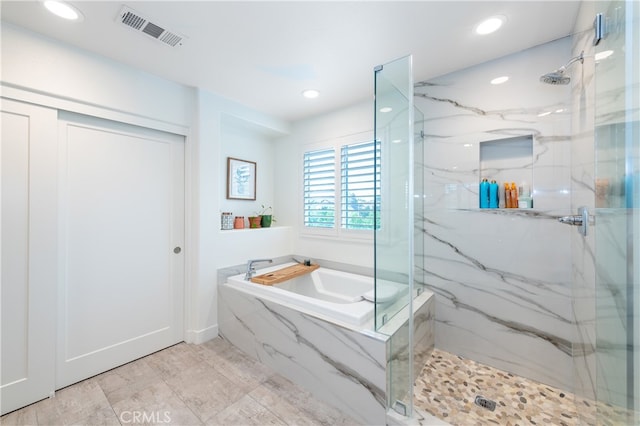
[617, 214]
[398, 196]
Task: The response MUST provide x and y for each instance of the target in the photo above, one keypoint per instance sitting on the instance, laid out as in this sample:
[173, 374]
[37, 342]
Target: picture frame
[241, 179]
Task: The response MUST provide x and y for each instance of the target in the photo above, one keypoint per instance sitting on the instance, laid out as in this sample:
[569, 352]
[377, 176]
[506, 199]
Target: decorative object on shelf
[238, 222]
[265, 216]
[241, 179]
[226, 220]
[254, 221]
[265, 220]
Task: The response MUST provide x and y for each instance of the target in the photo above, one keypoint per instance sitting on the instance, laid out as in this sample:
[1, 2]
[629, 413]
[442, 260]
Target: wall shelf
[507, 160]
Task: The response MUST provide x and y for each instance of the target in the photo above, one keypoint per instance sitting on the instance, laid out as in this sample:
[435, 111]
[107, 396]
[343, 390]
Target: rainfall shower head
[558, 77]
[555, 77]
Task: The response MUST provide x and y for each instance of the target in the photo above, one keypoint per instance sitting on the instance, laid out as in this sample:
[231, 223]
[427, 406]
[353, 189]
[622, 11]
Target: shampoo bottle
[484, 194]
[514, 196]
[524, 200]
[493, 195]
[507, 196]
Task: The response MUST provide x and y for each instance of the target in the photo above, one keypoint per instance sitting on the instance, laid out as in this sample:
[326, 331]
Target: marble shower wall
[502, 277]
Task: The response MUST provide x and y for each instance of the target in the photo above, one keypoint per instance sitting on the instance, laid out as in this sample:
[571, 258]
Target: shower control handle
[571, 220]
[581, 220]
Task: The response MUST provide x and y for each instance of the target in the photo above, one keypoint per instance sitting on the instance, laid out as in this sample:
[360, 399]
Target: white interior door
[28, 252]
[121, 235]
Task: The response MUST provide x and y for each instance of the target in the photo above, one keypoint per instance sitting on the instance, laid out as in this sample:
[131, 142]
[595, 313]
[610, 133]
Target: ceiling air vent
[136, 21]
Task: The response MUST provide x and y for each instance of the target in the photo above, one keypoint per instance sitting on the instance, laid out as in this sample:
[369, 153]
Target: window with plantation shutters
[360, 186]
[319, 188]
[342, 189]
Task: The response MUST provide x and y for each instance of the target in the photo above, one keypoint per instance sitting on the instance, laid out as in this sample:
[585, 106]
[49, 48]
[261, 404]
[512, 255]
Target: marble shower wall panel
[462, 109]
[342, 367]
[502, 278]
[501, 300]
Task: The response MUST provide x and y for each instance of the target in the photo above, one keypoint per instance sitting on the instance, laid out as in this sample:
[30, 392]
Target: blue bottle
[484, 194]
[493, 195]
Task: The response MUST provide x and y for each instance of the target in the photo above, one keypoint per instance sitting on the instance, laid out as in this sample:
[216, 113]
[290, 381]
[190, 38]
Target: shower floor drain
[485, 403]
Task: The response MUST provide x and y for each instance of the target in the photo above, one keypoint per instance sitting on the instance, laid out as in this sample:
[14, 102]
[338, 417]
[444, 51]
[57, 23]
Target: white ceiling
[264, 54]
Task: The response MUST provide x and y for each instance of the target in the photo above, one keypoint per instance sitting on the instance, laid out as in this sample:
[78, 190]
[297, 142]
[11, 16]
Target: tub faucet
[251, 270]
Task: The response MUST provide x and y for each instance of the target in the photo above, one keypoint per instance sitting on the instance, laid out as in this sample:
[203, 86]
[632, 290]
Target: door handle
[177, 250]
[581, 220]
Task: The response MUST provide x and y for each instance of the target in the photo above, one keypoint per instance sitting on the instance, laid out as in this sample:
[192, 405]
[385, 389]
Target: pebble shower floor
[449, 384]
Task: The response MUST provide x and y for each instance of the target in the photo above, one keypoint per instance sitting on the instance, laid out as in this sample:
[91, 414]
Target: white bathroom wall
[350, 123]
[240, 139]
[220, 134]
[42, 65]
[43, 71]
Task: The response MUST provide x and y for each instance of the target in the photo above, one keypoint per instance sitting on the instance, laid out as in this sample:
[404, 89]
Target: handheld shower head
[557, 77]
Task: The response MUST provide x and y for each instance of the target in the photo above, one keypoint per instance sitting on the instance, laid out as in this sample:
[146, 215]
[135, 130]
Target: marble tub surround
[343, 366]
[502, 277]
[399, 384]
[340, 366]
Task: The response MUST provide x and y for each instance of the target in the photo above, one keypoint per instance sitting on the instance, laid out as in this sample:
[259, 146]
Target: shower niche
[508, 160]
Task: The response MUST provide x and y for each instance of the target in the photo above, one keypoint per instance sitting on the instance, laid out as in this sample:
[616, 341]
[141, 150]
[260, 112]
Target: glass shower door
[394, 237]
[617, 222]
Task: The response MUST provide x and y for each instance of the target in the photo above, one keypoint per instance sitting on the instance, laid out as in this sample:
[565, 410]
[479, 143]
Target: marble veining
[345, 371]
[503, 297]
[346, 366]
[342, 367]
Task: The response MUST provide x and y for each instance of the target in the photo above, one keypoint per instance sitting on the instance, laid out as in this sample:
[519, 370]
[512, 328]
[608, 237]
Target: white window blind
[360, 186]
[319, 188]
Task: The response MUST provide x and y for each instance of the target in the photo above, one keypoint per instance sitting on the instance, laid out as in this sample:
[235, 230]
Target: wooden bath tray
[283, 274]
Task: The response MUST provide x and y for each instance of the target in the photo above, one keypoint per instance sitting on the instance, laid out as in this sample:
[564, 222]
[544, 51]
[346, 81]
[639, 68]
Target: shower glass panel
[418, 203]
[617, 225]
[394, 250]
[393, 239]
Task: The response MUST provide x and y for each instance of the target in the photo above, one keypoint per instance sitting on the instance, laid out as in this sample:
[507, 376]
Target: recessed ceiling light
[603, 55]
[560, 110]
[310, 93]
[499, 80]
[63, 10]
[544, 114]
[490, 25]
[468, 145]
[386, 109]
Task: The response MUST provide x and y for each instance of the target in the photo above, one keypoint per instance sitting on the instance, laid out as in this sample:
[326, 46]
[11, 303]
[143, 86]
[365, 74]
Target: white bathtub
[327, 293]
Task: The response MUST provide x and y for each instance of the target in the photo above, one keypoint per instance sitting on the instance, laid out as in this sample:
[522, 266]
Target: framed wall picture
[241, 179]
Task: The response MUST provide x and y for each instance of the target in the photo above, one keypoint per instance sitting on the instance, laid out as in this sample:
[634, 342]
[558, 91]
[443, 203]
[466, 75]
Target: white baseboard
[201, 336]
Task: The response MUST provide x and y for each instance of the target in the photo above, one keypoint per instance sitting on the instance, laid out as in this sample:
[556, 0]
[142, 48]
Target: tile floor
[212, 384]
[216, 384]
[448, 385]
